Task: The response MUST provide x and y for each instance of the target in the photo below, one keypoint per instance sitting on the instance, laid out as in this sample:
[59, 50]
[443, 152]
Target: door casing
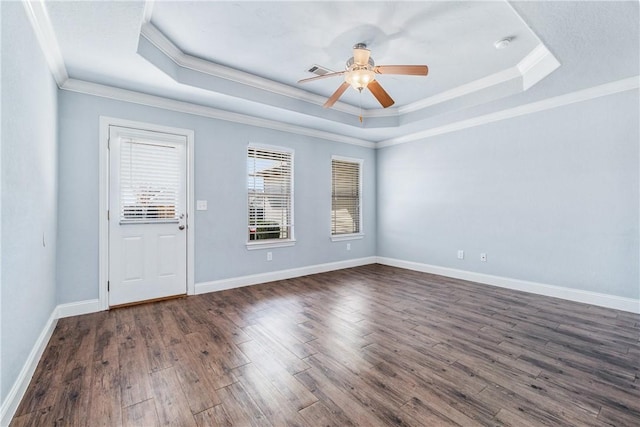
[103, 168]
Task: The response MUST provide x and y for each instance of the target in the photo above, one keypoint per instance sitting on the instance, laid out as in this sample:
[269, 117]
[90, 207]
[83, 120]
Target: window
[270, 195]
[150, 181]
[346, 197]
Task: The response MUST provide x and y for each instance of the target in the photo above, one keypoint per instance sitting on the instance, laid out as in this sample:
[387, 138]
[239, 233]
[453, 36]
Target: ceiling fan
[360, 74]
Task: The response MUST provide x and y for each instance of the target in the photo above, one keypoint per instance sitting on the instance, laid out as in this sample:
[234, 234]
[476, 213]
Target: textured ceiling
[596, 43]
[281, 40]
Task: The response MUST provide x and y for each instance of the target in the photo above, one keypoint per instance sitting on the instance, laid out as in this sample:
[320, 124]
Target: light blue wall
[29, 192]
[220, 178]
[551, 197]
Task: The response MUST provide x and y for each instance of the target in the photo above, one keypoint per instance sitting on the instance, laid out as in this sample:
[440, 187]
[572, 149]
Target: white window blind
[345, 197]
[149, 182]
[269, 183]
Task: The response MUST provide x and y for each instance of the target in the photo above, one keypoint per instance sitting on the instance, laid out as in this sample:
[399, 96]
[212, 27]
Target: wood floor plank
[296, 394]
[157, 353]
[135, 385]
[219, 375]
[76, 390]
[105, 398]
[292, 363]
[339, 401]
[172, 406]
[271, 402]
[195, 380]
[215, 416]
[433, 411]
[318, 414]
[166, 322]
[240, 409]
[367, 346]
[140, 414]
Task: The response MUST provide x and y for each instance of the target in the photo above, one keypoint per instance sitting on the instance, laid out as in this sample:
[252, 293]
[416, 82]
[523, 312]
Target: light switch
[201, 205]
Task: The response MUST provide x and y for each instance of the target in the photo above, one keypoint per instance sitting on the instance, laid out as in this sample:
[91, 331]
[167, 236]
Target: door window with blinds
[150, 181]
[346, 196]
[270, 194]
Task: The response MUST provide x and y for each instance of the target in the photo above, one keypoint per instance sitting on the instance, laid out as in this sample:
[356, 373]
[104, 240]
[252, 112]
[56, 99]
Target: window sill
[252, 246]
[343, 237]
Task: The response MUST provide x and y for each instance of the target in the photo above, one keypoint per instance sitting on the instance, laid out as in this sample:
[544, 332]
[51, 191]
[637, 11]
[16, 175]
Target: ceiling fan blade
[337, 94]
[381, 95]
[410, 70]
[324, 76]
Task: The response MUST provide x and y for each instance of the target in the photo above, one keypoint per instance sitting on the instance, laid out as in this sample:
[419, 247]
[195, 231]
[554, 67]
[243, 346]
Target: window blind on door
[269, 183]
[149, 181]
[345, 197]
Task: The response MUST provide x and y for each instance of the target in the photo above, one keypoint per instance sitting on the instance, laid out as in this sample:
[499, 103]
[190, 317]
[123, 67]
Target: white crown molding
[462, 90]
[539, 63]
[110, 92]
[95, 89]
[159, 40]
[147, 12]
[623, 85]
[41, 24]
[254, 279]
[576, 295]
[536, 65]
[16, 393]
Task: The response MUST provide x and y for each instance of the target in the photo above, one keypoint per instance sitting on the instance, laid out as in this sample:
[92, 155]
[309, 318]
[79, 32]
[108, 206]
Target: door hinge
[108, 286]
[108, 143]
[108, 215]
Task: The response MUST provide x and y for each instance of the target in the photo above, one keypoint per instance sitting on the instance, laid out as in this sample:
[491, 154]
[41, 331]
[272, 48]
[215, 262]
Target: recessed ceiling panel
[281, 40]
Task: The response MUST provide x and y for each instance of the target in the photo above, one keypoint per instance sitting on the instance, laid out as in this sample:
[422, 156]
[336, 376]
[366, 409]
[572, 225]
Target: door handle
[181, 227]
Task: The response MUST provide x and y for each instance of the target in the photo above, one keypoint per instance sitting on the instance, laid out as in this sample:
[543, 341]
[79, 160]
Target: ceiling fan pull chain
[360, 106]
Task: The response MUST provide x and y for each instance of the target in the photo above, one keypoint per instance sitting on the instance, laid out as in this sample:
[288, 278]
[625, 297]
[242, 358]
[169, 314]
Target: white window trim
[276, 243]
[252, 246]
[343, 237]
[353, 236]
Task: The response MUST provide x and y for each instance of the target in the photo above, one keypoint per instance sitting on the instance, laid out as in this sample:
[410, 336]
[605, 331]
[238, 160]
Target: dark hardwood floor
[366, 346]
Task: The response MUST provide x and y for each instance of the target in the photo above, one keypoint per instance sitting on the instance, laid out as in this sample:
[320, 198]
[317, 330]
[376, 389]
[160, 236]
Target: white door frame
[103, 249]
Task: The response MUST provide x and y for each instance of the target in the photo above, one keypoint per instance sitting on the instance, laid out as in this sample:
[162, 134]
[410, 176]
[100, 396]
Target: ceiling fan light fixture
[359, 78]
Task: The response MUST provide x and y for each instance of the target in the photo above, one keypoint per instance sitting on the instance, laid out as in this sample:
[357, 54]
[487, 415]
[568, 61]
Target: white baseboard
[11, 402]
[78, 308]
[254, 279]
[577, 295]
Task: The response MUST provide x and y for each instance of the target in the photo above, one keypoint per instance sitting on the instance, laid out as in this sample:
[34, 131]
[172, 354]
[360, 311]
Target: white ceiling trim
[530, 64]
[147, 12]
[118, 94]
[623, 85]
[41, 24]
[631, 83]
[539, 60]
[465, 89]
[536, 66]
[539, 63]
[159, 40]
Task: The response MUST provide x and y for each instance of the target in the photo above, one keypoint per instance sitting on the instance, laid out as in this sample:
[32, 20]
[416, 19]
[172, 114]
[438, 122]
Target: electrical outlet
[460, 254]
[348, 246]
[269, 256]
[483, 257]
[201, 205]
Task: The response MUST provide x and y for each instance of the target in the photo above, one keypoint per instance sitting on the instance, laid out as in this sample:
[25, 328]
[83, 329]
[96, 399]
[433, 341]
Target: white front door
[147, 215]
